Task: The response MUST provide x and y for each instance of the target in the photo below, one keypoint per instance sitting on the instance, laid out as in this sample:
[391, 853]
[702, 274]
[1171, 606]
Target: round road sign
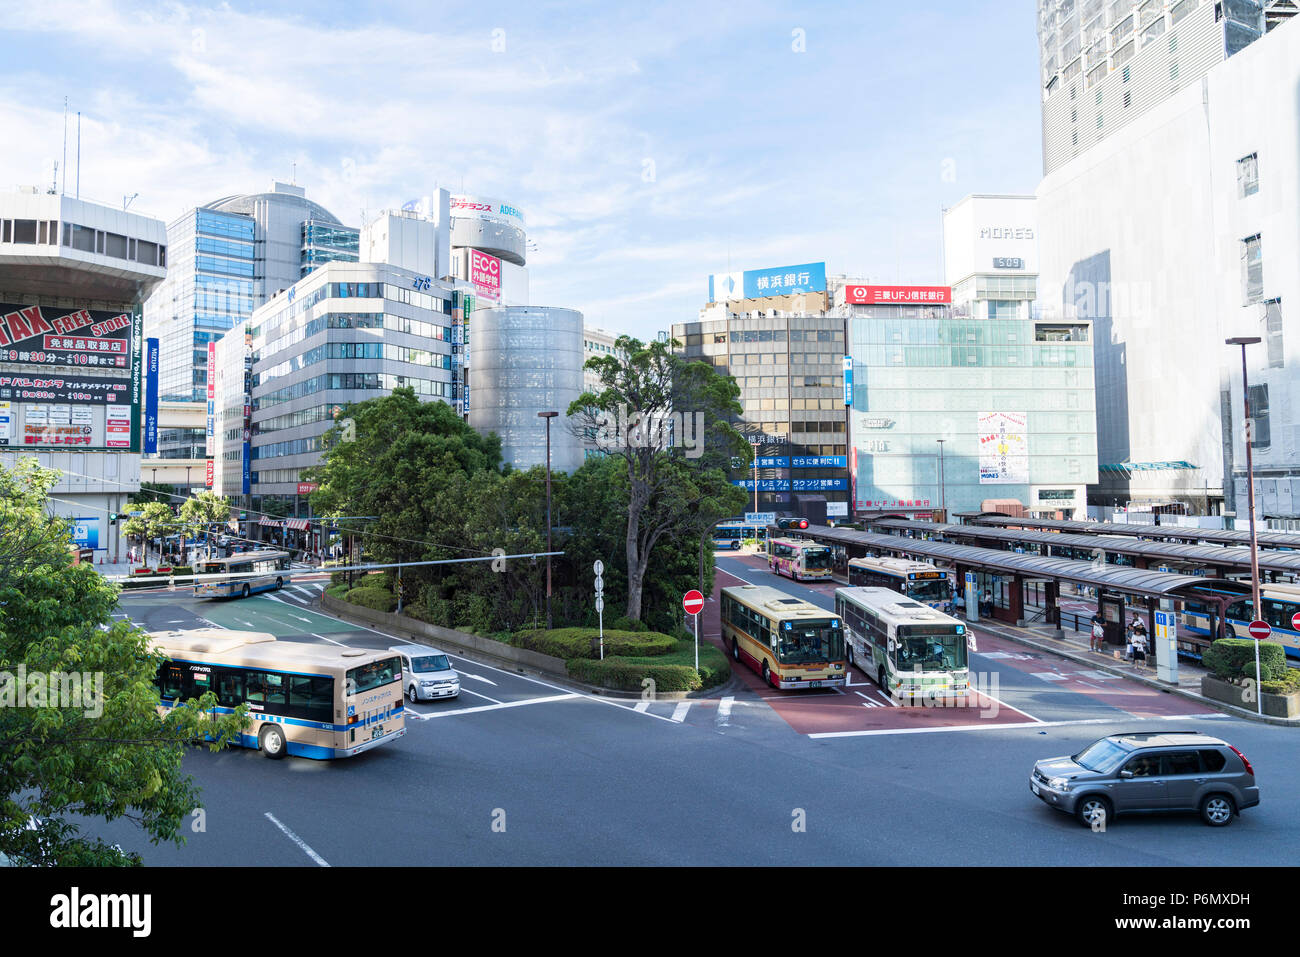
[692, 601]
[598, 568]
[1295, 621]
[1259, 629]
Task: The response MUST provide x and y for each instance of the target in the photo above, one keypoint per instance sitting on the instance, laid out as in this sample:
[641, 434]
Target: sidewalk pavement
[1075, 648]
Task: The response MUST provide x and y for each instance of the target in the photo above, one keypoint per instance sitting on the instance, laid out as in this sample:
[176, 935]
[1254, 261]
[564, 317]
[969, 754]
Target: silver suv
[427, 673]
[1148, 771]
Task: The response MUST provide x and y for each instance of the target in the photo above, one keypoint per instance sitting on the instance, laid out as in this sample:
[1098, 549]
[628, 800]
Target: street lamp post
[548, 416]
[1244, 341]
[943, 496]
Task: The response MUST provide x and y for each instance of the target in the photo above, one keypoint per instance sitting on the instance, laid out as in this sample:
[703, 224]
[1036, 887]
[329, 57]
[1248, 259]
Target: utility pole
[548, 416]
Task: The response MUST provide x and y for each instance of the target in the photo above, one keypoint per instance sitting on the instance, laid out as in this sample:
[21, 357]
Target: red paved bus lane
[860, 707]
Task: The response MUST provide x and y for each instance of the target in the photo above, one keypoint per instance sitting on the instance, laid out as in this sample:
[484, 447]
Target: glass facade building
[527, 359]
[1011, 397]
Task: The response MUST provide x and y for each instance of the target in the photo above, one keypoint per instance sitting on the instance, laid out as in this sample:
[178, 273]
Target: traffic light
[792, 523]
[112, 518]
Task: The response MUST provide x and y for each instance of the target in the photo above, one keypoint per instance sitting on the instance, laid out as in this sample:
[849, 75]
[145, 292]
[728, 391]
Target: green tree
[415, 465]
[659, 414]
[200, 514]
[155, 521]
[109, 755]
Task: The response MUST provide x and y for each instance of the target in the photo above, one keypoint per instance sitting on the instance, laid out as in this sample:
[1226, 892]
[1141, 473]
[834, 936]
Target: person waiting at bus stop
[1097, 640]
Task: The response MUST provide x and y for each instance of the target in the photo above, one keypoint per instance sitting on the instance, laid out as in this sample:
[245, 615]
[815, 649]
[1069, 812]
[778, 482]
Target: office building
[228, 257]
[789, 367]
[1171, 234]
[73, 278]
[1104, 63]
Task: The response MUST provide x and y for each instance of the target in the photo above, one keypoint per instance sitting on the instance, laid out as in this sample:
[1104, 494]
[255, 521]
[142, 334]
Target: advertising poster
[6, 423]
[117, 427]
[82, 390]
[54, 336]
[485, 274]
[1004, 449]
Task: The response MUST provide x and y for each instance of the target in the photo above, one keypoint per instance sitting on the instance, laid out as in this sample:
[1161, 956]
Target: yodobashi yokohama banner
[485, 273]
[59, 336]
[1004, 448]
[151, 399]
[898, 295]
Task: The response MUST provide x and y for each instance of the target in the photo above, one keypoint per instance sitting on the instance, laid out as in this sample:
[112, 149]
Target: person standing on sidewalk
[1098, 638]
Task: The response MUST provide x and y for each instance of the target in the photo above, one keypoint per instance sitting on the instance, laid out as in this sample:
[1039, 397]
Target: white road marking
[466, 674]
[477, 695]
[1050, 675]
[1098, 675]
[642, 706]
[297, 840]
[178, 621]
[507, 704]
[331, 640]
[724, 711]
[679, 712]
[887, 698]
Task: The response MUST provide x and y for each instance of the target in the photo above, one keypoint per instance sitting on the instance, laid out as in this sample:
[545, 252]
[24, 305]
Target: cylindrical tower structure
[527, 359]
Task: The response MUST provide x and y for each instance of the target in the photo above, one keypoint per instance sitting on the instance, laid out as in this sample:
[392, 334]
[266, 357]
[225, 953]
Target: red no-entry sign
[1259, 629]
[1295, 621]
[692, 601]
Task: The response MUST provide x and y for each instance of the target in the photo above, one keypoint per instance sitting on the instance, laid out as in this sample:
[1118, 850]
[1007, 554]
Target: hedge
[375, 599]
[569, 643]
[1233, 658]
[1287, 684]
[625, 674]
[173, 572]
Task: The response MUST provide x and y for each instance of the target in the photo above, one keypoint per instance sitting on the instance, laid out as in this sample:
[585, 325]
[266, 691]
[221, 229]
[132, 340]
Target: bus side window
[230, 689]
[1278, 613]
[1241, 611]
[170, 681]
[256, 681]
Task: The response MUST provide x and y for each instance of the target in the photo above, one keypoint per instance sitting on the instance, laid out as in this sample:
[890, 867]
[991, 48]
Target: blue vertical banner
[151, 398]
[848, 380]
[248, 465]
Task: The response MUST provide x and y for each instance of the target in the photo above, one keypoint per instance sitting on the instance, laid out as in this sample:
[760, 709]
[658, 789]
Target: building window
[1248, 175]
[1099, 97]
[1128, 98]
[1173, 72]
[1098, 121]
[1126, 74]
[1074, 116]
[1252, 269]
[1273, 326]
[1073, 92]
[1261, 437]
[1074, 138]
[24, 231]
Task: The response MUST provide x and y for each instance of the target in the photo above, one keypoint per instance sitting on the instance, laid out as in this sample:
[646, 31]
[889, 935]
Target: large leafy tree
[414, 465]
[202, 514]
[107, 753]
[156, 520]
[655, 411]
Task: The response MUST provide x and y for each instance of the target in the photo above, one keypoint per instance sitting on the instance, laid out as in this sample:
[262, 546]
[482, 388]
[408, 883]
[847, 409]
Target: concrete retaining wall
[448, 638]
[1276, 705]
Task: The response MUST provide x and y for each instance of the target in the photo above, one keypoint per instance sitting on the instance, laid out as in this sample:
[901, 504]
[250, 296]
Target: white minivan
[427, 673]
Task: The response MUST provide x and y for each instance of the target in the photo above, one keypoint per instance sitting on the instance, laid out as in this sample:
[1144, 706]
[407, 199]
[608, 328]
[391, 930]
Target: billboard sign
[54, 336]
[79, 389]
[485, 273]
[209, 473]
[898, 295]
[6, 423]
[85, 532]
[1004, 448]
[772, 281]
[481, 207]
[151, 399]
[848, 380]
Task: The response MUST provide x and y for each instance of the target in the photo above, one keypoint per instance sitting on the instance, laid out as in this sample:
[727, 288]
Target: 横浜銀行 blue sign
[784, 280]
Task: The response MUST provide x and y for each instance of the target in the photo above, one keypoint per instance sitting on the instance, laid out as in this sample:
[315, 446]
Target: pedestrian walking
[1097, 640]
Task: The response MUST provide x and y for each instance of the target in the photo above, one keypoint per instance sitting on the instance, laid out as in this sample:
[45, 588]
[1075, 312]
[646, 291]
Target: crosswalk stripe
[642, 706]
[724, 710]
[679, 713]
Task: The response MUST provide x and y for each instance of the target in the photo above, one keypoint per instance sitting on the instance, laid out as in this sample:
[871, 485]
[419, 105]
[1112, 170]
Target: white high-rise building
[1172, 232]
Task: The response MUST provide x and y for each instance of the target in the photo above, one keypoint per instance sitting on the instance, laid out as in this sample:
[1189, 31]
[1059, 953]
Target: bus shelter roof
[1114, 578]
[1219, 536]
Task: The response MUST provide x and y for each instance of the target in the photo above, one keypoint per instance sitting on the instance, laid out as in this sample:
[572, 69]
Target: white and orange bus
[313, 701]
[792, 643]
[800, 560]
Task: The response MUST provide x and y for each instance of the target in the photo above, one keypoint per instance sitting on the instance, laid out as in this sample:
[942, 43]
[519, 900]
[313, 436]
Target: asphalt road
[522, 771]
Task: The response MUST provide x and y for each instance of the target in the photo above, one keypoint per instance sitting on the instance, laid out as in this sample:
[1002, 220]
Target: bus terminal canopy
[1112, 578]
[1219, 536]
[1236, 558]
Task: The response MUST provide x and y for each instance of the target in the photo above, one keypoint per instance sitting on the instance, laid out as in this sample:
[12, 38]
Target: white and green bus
[913, 651]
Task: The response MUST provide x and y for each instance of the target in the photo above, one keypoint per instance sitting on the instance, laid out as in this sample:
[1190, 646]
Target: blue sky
[648, 145]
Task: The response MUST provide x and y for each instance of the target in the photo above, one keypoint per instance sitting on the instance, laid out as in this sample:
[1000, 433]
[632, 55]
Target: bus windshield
[817, 557]
[936, 589]
[805, 642]
[373, 675]
[941, 652]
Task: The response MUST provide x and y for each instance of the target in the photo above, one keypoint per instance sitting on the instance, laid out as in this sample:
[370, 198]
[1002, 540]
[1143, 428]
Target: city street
[525, 771]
